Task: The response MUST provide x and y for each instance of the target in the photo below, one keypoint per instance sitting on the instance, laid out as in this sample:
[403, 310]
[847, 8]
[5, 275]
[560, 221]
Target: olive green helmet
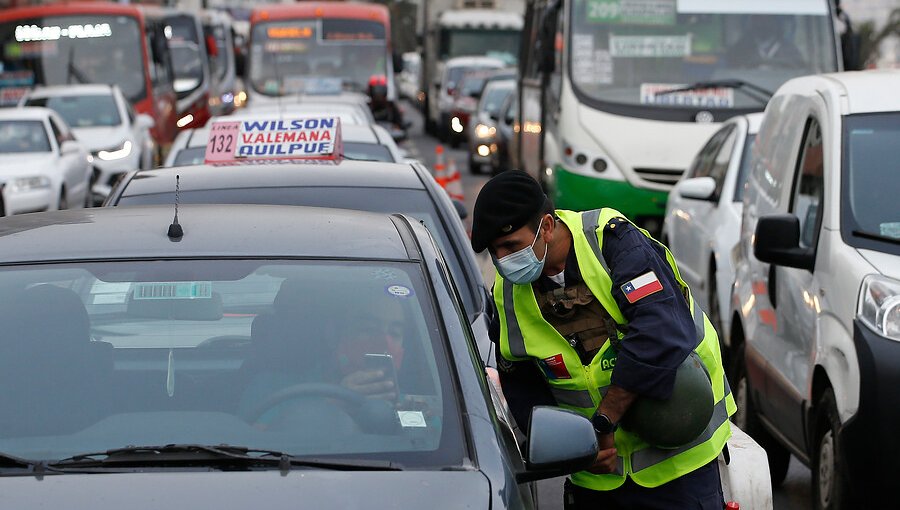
[683, 417]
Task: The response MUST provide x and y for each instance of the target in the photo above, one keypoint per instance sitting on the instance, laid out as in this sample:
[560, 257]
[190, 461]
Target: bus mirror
[398, 62]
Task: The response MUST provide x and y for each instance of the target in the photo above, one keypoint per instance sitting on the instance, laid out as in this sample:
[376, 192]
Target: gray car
[221, 367]
[364, 185]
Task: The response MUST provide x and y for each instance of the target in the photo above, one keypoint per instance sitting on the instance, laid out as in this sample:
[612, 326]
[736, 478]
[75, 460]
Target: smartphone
[385, 363]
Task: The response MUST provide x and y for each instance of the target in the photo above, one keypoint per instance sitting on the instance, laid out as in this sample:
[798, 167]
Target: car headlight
[33, 182]
[482, 131]
[879, 305]
[118, 152]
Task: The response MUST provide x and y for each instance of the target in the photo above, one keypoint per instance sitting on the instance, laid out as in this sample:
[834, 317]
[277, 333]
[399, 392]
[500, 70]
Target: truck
[457, 28]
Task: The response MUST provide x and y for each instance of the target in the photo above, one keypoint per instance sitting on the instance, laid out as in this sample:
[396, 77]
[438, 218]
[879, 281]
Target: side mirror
[560, 442]
[240, 63]
[144, 121]
[698, 188]
[69, 146]
[460, 208]
[398, 62]
[777, 241]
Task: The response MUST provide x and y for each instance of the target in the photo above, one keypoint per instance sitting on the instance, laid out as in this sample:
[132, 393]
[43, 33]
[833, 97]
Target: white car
[368, 142]
[350, 112]
[816, 299]
[438, 121]
[104, 122]
[42, 166]
[703, 215]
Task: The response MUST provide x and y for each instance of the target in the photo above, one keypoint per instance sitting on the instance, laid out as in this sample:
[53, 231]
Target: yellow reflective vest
[525, 335]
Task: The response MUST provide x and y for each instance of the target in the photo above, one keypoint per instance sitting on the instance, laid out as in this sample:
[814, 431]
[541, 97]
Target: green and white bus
[617, 96]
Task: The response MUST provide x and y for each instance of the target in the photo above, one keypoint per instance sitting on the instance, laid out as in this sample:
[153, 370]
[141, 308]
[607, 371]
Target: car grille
[665, 176]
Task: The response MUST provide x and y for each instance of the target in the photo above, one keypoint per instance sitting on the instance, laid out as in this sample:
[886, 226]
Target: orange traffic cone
[454, 182]
[440, 171]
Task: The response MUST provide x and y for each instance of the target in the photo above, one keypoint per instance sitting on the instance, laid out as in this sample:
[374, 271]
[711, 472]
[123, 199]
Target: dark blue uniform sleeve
[660, 332]
[523, 384]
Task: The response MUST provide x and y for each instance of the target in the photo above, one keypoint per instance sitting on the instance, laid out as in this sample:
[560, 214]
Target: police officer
[592, 315]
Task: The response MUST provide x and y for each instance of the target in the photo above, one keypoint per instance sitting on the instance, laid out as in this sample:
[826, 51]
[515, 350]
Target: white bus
[617, 96]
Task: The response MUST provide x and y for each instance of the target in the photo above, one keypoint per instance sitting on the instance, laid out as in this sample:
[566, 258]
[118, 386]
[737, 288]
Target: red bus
[90, 42]
[310, 46]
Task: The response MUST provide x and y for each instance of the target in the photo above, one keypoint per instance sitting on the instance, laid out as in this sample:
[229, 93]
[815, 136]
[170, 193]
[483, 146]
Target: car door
[796, 297]
[688, 237]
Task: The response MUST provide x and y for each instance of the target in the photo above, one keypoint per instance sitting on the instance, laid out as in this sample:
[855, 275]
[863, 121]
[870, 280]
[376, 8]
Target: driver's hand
[371, 383]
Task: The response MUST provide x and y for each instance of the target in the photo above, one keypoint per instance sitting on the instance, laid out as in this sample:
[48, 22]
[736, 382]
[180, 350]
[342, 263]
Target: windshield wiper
[755, 91]
[216, 454]
[876, 237]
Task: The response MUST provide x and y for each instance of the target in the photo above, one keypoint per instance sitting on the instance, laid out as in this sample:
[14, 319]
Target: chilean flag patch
[641, 287]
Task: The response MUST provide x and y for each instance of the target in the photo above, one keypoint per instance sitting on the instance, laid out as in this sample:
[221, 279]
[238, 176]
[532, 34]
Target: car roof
[869, 91]
[72, 90]
[25, 113]
[506, 84]
[209, 231]
[474, 61]
[349, 133]
[349, 174]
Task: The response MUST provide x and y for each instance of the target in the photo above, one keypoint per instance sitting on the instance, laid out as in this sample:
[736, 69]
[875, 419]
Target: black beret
[505, 204]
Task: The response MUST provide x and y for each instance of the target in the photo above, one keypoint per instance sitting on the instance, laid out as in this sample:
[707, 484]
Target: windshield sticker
[399, 291]
[311, 138]
[384, 273]
[649, 46]
[411, 419]
[890, 230]
[655, 94]
[172, 290]
[631, 12]
[590, 66]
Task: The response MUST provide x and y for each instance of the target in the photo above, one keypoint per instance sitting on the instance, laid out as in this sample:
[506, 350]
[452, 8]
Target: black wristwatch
[603, 425]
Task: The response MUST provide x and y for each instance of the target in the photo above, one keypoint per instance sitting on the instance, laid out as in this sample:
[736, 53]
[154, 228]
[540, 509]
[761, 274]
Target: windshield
[187, 57]
[285, 54]
[263, 354]
[493, 98]
[190, 156]
[628, 51]
[23, 136]
[82, 111]
[415, 203]
[62, 50]
[500, 44]
[871, 182]
[367, 152]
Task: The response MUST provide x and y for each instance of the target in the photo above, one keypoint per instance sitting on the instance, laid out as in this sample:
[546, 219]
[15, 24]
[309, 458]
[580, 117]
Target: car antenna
[175, 230]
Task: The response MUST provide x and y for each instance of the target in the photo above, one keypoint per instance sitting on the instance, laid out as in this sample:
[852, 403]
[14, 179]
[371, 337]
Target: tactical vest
[526, 335]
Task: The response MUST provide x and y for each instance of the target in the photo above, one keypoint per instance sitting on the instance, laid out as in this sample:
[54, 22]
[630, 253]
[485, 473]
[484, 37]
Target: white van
[816, 299]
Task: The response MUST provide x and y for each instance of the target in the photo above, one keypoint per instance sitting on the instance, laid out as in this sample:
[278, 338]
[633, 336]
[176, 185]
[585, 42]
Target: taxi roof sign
[312, 138]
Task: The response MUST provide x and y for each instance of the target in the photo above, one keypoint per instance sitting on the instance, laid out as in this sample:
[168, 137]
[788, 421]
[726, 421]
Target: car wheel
[831, 489]
[63, 201]
[747, 420]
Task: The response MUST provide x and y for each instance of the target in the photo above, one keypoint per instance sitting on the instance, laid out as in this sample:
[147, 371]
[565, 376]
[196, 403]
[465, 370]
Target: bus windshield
[60, 50]
[284, 54]
[500, 44]
[630, 51]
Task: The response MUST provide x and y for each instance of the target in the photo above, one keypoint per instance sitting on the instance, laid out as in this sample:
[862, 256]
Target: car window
[23, 136]
[367, 152]
[415, 203]
[244, 352]
[703, 162]
[810, 184]
[82, 111]
[719, 167]
[493, 99]
[190, 156]
[57, 131]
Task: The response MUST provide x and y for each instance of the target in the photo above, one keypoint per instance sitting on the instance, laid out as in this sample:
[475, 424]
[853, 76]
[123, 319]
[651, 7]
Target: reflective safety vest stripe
[525, 335]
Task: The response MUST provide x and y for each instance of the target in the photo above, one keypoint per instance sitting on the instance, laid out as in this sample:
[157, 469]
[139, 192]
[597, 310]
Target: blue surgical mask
[523, 266]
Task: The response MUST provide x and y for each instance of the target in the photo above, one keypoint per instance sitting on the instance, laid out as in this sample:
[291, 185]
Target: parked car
[484, 123]
[104, 122]
[229, 372]
[815, 331]
[703, 215]
[42, 166]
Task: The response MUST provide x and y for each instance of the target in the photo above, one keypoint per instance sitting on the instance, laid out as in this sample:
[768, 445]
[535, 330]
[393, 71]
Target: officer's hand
[607, 459]
[370, 383]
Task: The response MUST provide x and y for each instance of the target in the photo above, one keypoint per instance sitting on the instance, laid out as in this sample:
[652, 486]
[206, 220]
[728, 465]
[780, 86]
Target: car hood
[100, 138]
[25, 163]
[885, 263]
[436, 490]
